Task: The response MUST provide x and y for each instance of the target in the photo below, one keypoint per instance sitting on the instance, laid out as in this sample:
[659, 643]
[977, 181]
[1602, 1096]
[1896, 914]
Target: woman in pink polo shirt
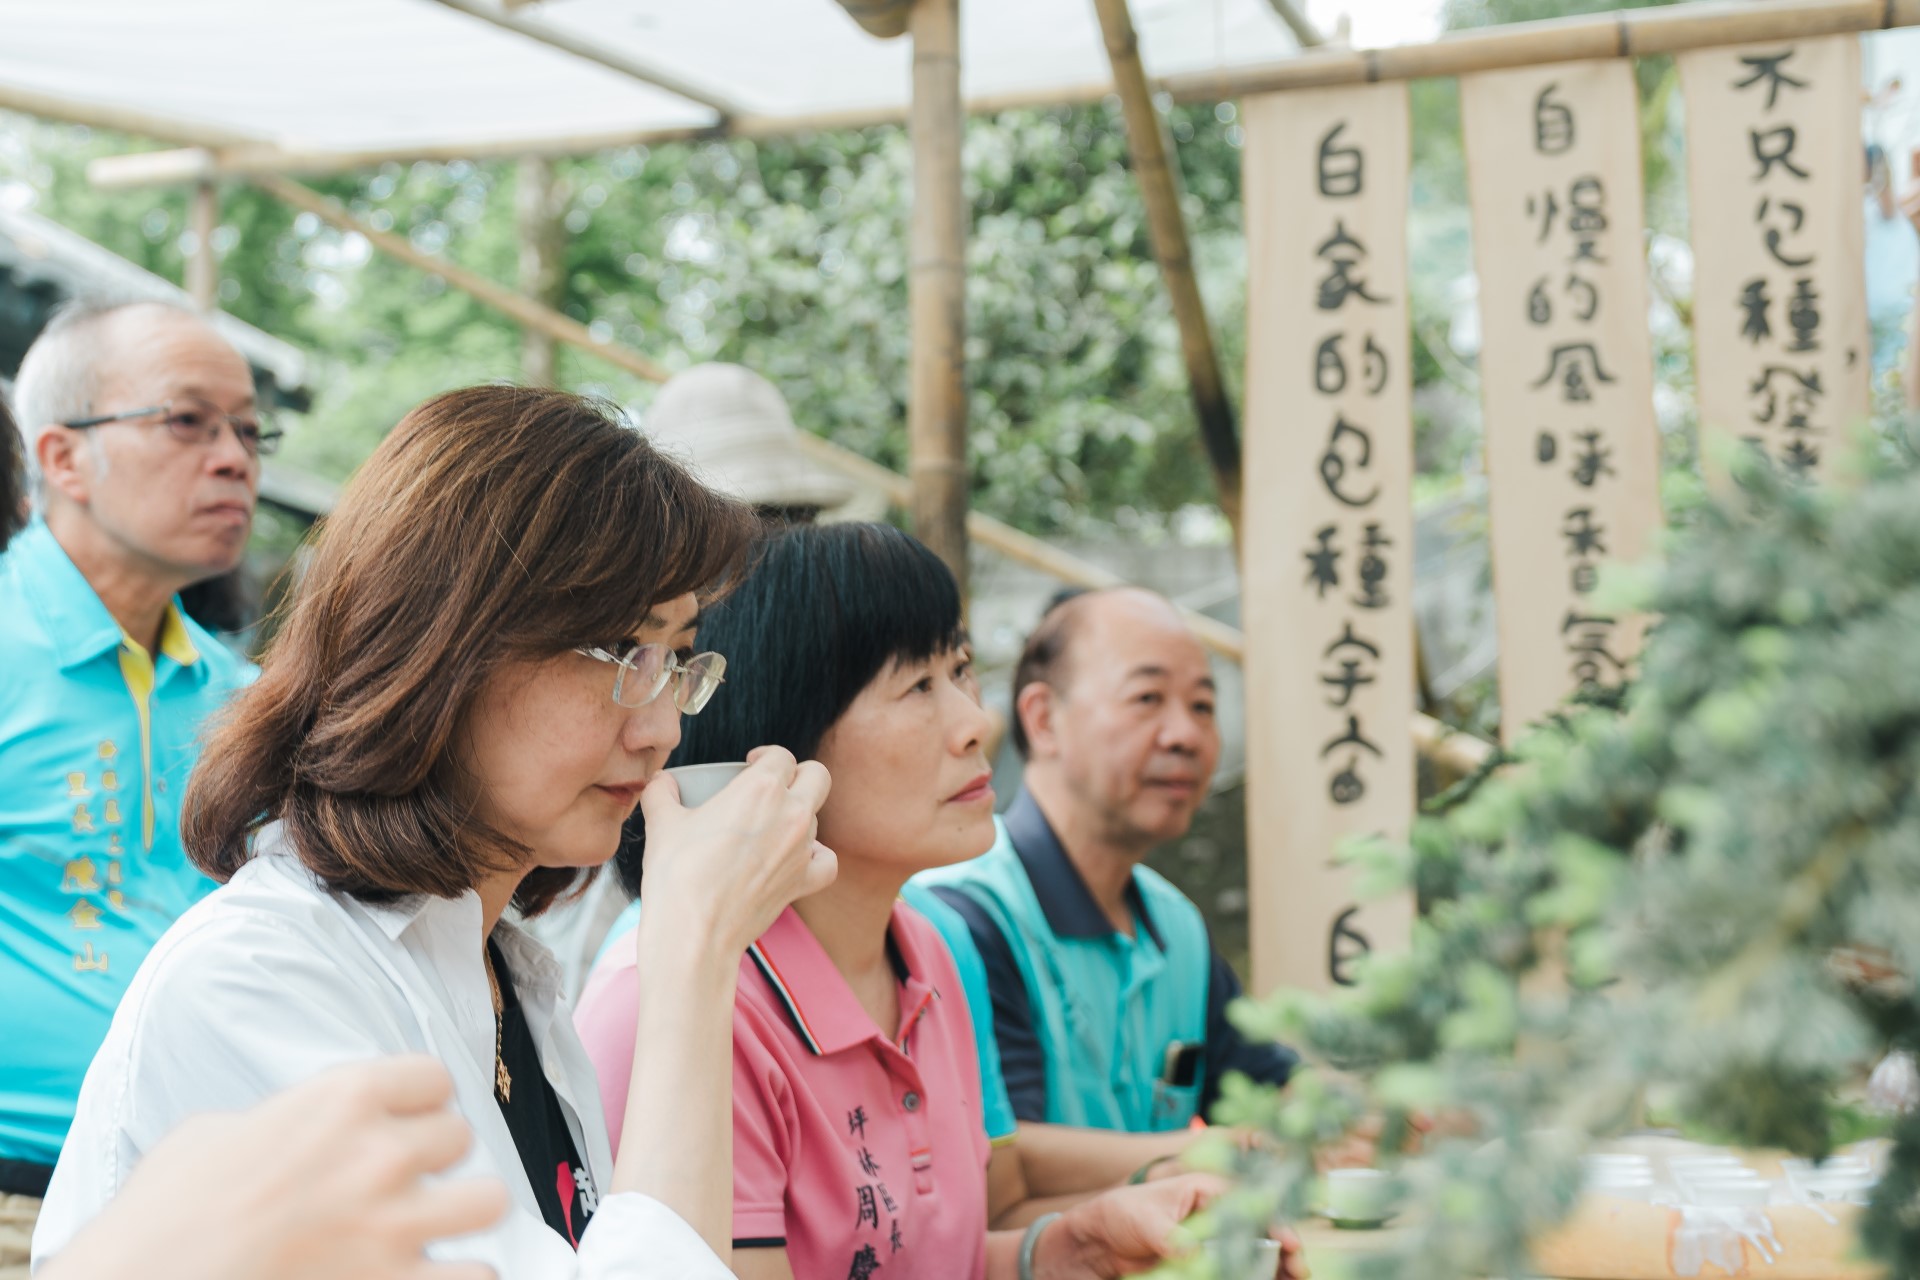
[858, 1143]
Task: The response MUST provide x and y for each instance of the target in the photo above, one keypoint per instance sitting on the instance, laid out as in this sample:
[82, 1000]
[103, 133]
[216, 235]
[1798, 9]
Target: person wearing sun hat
[733, 429]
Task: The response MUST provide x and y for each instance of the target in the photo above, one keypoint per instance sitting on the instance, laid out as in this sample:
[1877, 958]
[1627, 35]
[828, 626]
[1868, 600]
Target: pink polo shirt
[854, 1150]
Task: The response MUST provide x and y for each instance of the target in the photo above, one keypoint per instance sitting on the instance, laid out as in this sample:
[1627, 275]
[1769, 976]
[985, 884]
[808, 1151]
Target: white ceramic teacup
[1360, 1195]
[699, 783]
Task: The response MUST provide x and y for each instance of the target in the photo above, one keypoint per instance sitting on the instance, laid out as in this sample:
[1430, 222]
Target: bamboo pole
[248, 160]
[565, 41]
[543, 245]
[203, 270]
[99, 115]
[1159, 181]
[1625, 33]
[529, 313]
[937, 291]
[1459, 752]
[1309, 36]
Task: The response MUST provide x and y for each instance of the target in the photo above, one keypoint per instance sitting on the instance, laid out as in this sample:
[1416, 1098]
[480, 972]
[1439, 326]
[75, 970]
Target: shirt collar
[822, 1007]
[1064, 897]
[72, 612]
[175, 642]
[75, 619]
[449, 920]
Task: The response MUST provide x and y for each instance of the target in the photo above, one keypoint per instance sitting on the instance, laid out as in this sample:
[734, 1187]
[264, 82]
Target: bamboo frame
[529, 313]
[1625, 33]
[567, 42]
[203, 270]
[937, 291]
[542, 244]
[1459, 753]
[97, 115]
[1309, 36]
[1159, 180]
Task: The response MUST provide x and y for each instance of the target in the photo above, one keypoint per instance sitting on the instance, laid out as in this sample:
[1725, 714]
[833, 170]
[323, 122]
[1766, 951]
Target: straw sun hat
[734, 430]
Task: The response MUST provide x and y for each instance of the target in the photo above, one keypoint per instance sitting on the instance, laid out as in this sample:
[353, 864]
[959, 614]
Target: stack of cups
[1719, 1180]
[1629, 1177]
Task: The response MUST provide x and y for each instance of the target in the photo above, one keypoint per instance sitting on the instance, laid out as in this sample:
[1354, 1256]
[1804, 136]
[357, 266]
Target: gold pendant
[502, 1081]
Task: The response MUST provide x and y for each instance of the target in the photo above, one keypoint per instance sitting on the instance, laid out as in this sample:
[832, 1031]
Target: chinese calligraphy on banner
[1328, 523]
[1779, 315]
[1566, 367]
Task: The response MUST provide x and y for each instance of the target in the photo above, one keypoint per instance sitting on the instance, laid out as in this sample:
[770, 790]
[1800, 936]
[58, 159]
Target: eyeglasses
[645, 669]
[194, 421]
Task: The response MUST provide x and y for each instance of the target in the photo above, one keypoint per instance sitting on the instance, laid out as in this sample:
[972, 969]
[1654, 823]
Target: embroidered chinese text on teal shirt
[96, 740]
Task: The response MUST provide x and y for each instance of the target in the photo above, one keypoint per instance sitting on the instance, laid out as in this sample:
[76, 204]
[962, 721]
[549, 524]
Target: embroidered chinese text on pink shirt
[853, 1149]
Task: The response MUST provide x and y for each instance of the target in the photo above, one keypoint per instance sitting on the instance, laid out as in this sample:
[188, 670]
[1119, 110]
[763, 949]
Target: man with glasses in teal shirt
[144, 445]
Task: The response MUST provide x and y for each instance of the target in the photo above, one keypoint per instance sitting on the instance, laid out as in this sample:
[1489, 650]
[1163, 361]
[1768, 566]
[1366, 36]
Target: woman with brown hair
[478, 678]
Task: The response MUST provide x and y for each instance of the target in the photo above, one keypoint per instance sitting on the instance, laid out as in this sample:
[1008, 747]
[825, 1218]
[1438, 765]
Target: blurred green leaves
[1650, 900]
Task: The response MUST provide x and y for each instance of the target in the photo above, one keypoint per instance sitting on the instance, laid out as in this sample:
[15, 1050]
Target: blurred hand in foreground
[324, 1181]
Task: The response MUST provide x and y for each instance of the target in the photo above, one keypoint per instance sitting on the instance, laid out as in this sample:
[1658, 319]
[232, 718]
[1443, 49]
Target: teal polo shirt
[96, 740]
[1096, 1026]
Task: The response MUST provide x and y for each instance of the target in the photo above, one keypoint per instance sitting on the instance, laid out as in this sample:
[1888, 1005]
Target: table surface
[1612, 1238]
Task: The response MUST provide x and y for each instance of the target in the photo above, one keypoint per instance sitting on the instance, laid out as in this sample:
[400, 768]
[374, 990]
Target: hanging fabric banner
[1775, 166]
[1566, 368]
[1327, 523]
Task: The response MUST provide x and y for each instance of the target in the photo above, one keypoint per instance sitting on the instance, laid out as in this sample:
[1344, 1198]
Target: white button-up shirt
[273, 979]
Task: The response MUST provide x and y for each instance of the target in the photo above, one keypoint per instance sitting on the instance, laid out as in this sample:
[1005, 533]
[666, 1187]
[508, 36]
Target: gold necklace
[502, 1078]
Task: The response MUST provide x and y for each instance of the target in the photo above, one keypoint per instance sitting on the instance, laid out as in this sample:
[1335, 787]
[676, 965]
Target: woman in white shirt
[481, 670]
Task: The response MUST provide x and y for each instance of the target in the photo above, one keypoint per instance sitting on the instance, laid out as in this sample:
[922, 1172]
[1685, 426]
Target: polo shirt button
[911, 1102]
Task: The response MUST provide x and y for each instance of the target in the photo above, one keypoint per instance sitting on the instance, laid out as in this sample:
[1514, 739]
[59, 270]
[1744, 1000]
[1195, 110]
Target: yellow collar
[175, 643]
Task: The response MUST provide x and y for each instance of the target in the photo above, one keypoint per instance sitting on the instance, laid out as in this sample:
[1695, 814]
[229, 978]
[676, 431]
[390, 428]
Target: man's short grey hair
[60, 375]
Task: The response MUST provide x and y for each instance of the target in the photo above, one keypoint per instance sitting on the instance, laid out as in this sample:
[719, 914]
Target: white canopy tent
[337, 81]
[265, 90]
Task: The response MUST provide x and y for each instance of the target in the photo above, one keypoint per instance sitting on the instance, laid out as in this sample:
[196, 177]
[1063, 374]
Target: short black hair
[823, 610]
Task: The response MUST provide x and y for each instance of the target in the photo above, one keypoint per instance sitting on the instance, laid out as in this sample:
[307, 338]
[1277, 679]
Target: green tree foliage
[1697, 859]
[787, 255]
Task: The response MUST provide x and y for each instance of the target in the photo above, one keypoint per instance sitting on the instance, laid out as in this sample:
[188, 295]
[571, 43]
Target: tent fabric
[359, 75]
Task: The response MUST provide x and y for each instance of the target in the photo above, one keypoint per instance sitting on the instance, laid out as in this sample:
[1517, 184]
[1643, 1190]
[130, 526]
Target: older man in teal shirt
[1109, 1001]
[144, 443]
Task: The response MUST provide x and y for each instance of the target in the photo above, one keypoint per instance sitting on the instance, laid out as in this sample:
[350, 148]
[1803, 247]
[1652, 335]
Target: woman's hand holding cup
[730, 866]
